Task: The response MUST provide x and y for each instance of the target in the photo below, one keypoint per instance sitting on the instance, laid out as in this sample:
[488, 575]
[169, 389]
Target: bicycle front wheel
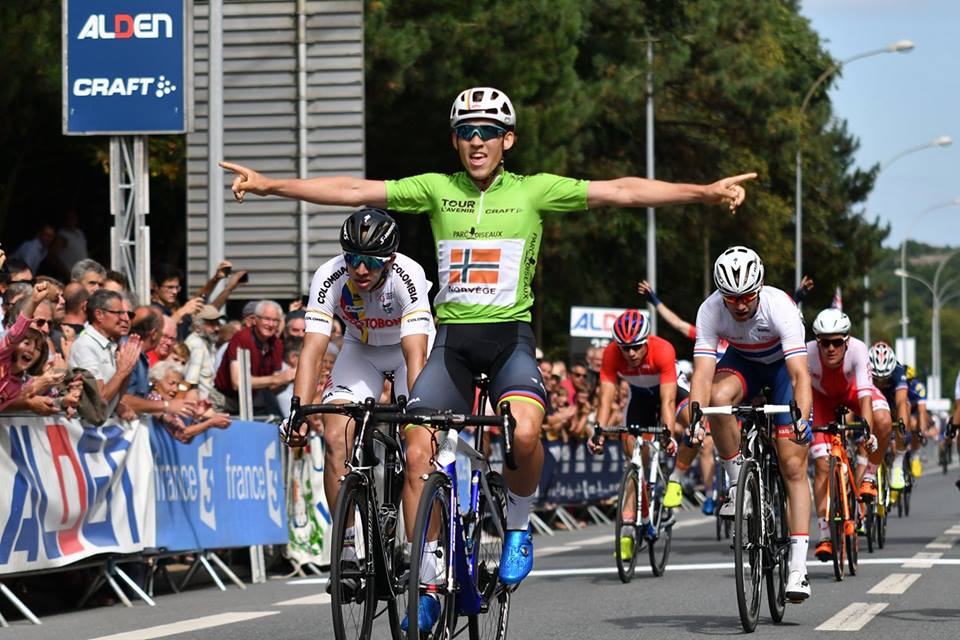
[748, 542]
[626, 542]
[662, 520]
[835, 517]
[779, 535]
[429, 559]
[488, 545]
[353, 595]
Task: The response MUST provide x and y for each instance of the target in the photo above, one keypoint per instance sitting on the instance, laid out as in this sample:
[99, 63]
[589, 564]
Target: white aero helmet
[483, 102]
[831, 321]
[738, 271]
[883, 360]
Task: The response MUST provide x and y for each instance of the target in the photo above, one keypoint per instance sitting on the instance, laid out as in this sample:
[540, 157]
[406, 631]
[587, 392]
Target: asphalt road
[908, 590]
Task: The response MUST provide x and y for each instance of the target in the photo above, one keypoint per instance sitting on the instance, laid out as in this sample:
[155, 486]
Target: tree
[729, 79]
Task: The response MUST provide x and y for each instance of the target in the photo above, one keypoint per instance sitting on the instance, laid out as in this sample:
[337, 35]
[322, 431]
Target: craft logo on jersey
[474, 266]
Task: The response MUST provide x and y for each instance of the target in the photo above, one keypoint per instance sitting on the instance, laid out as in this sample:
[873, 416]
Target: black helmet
[370, 232]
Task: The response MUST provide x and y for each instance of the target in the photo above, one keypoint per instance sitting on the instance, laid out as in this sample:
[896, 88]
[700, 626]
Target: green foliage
[728, 80]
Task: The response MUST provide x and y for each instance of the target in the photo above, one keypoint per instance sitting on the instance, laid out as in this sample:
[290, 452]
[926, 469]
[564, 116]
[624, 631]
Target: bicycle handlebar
[743, 411]
[397, 413]
[633, 429]
[349, 408]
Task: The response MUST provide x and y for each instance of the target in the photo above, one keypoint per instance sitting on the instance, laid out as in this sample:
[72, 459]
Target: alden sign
[127, 67]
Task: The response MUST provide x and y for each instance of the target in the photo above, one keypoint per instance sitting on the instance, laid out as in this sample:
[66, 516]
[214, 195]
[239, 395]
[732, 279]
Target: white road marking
[552, 551]
[895, 583]
[713, 566]
[589, 542]
[575, 545]
[854, 617]
[184, 626]
[922, 560]
[945, 540]
[317, 598]
[307, 581]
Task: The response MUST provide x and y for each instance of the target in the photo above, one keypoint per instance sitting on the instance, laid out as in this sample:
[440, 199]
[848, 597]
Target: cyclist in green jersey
[487, 227]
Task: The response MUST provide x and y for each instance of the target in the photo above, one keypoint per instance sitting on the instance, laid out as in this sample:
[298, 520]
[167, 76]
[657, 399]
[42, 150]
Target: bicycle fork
[461, 563]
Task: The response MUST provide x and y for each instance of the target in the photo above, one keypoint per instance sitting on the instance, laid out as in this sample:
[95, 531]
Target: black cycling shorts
[643, 409]
[504, 351]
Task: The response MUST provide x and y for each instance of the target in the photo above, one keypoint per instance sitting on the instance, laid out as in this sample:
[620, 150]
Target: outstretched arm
[665, 312]
[640, 192]
[334, 190]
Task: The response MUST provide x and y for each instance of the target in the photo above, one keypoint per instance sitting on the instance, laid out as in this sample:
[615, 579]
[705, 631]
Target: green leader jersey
[487, 242]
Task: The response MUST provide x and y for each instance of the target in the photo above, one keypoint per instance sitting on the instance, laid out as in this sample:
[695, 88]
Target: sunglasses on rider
[633, 347]
[371, 262]
[744, 299]
[836, 343]
[485, 131]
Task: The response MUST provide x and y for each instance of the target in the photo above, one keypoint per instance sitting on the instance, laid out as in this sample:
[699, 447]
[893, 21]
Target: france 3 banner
[224, 489]
[309, 515]
[572, 474]
[70, 491]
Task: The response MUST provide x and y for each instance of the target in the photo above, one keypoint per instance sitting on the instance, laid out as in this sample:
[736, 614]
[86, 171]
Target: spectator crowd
[75, 341]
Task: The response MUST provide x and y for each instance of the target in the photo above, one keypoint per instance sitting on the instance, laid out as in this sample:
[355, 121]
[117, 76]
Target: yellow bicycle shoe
[897, 481]
[626, 548]
[916, 468]
[673, 496]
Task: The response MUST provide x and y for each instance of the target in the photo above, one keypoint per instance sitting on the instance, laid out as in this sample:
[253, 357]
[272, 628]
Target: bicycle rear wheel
[487, 540]
[779, 533]
[662, 520]
[835, 518]
[869, 523]
[429, 559]
[353, 595]
[747, 546]
[626, 526]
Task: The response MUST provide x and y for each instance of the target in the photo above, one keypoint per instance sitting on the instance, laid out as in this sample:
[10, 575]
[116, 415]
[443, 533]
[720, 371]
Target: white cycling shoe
[728, 509]
[798, 587]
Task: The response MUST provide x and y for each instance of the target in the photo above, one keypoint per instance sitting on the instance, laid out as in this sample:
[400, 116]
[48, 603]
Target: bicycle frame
[460, 572]
[361, 463]
[838, 451]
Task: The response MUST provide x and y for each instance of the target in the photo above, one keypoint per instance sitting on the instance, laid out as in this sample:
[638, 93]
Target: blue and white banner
[126, 66]
[571, 474]
[224, 489]
[70, 492]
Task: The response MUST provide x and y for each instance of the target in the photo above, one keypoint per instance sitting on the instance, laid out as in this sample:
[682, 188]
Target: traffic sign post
[128, 73]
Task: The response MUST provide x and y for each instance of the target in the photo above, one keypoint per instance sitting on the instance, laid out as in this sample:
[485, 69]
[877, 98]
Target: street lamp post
[941, 294]
[942, 141]
[904, 319]
[901, 46]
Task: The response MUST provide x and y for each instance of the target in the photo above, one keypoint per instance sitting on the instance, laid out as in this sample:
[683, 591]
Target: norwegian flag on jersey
[837, 302]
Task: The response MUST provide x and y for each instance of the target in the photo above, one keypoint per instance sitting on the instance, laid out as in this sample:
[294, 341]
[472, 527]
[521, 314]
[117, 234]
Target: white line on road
[943, 541]
[307, 581]
[922, 560]
[589, 542]
[895, 583]
[317, 598]
[712, 566]
[575, 545]
[184, 626]
[853, 617]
